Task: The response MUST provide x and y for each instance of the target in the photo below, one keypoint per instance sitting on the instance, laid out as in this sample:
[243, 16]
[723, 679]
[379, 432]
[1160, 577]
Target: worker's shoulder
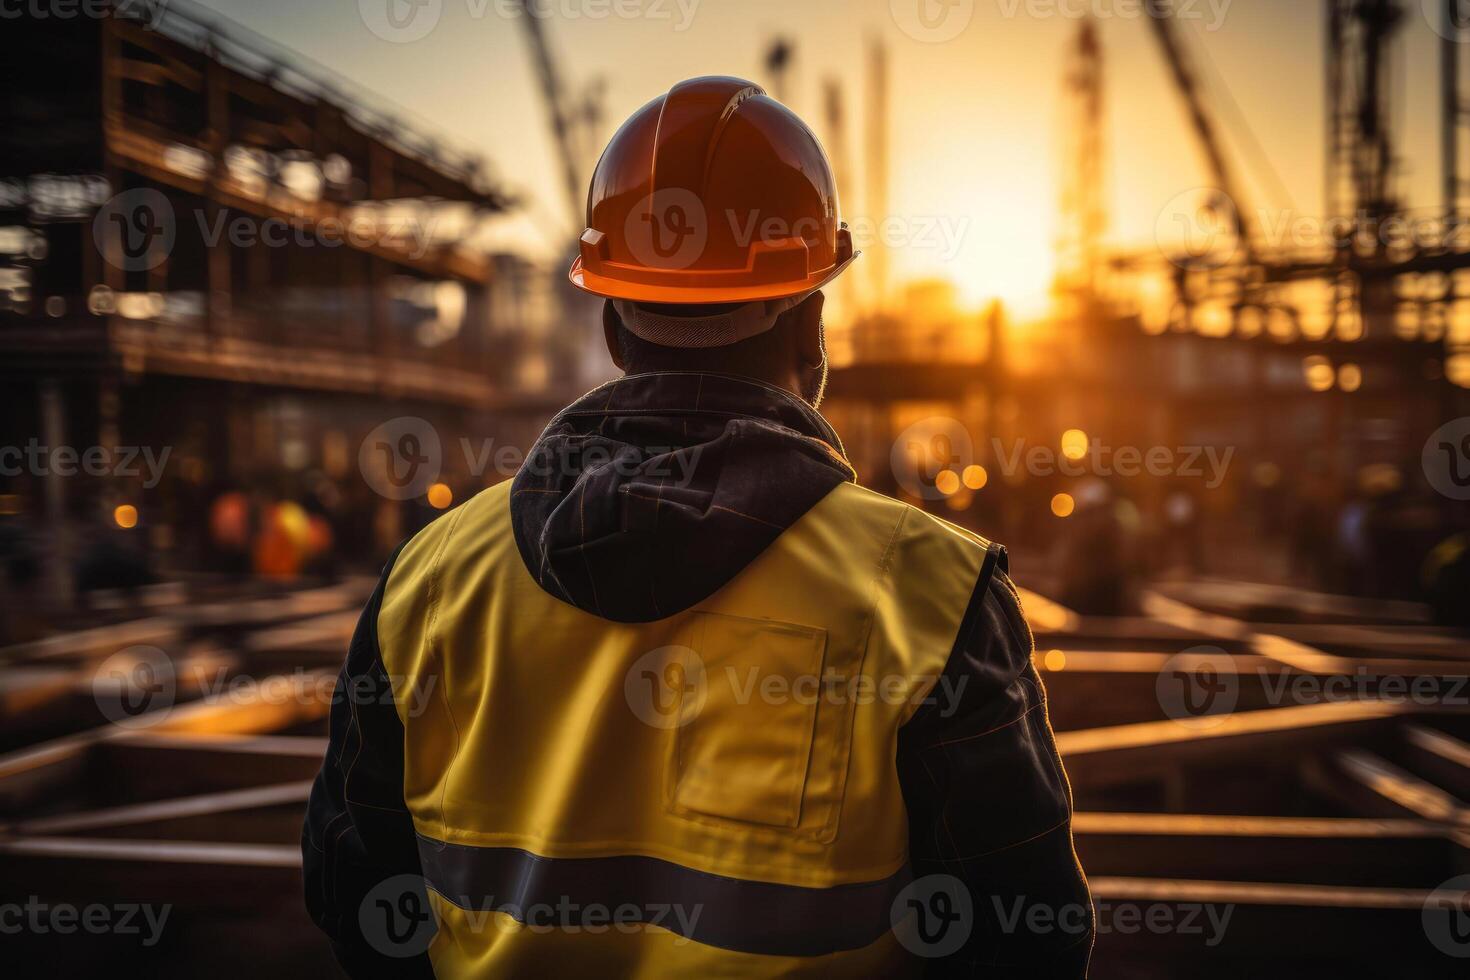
[458, 532]
[911, 520]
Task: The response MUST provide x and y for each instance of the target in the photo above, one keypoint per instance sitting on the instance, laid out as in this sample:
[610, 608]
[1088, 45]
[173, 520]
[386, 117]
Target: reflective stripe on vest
[733, 763]
[734, 913]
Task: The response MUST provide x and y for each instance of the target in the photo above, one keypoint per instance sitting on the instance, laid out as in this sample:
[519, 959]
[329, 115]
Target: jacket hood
[649, 493]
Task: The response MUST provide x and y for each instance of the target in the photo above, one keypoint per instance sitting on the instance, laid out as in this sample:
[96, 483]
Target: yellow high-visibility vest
[731, 765]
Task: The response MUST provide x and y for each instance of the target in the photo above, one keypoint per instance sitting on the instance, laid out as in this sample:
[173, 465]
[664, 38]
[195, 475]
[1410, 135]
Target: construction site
[1232, 468]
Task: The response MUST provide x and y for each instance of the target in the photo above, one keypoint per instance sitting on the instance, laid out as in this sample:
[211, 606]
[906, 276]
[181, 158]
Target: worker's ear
[808, 317]
[610, 324]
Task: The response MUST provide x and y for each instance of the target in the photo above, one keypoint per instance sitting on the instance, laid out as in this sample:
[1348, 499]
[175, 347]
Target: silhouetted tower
[778, 66]
[1454, 28]
[1360, 155]
[877, 169]
[1083, 211]
[1360, 152]
[836, 125]
[835, 116]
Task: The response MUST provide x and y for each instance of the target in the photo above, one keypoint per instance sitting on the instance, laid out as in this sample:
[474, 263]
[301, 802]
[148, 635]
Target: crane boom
[554, 92]
[1161, 19]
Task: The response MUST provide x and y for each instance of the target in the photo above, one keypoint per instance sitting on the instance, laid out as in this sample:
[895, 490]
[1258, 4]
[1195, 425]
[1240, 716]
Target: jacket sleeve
[364, 886]
[989, 803]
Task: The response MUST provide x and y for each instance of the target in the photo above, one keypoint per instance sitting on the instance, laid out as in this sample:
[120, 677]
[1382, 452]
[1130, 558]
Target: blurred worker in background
[682, 674]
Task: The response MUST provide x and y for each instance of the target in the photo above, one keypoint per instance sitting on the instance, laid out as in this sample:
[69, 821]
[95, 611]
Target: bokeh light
[1074, 444]
[1318, 373]
[440, 496]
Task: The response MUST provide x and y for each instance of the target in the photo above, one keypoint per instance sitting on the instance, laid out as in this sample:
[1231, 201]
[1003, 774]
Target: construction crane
[1360, 158]
[1083, 210]
[1379, 290]
[1161, 19]
[573, 121]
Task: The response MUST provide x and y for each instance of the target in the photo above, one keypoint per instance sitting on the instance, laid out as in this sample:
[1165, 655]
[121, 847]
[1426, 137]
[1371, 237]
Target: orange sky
[975, 102]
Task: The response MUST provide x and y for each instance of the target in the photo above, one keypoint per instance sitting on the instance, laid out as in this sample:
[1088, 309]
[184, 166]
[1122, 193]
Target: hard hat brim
[639, 292]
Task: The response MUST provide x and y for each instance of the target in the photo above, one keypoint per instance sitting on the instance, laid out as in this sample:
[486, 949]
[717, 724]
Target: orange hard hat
[713, 193]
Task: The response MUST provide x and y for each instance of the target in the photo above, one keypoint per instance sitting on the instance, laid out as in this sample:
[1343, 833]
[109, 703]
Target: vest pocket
[744, 747]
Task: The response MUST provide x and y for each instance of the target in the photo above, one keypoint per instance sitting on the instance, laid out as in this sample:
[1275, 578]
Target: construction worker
[681, 698]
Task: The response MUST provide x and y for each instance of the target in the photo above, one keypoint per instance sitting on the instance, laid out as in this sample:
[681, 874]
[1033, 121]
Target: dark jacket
[641, 511]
